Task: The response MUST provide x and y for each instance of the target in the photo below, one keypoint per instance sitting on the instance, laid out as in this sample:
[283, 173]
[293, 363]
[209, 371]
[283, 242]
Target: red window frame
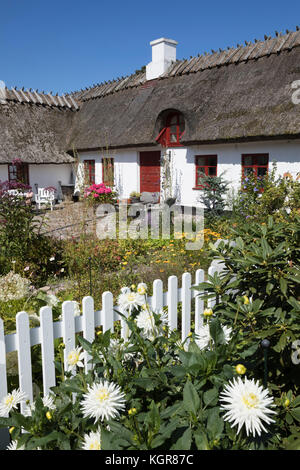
[18, 172]
[210, 161]
[256, 164]
[172, 129]
[108, 179]
[89, 171]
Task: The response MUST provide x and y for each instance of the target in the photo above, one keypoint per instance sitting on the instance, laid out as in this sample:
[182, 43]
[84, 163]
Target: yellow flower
[132, 286]
[11, 429]
[132, 411]
[208, 312]
[240, 369]
[48, 415]
[246, 300]
[287, 402]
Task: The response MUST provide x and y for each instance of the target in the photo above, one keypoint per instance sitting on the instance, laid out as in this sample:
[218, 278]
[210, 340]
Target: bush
[269, 195]
[32, 254]
[214, 189]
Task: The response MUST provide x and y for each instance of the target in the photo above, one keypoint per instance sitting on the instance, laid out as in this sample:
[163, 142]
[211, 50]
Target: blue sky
[67, 45]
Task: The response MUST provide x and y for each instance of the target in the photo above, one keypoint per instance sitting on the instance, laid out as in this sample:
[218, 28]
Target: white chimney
[163, 54]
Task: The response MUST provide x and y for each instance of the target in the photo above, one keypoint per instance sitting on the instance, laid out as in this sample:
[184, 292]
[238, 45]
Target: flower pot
[134, 200]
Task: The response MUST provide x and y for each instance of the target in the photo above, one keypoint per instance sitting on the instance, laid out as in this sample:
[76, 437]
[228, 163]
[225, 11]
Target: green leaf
[201, 440]
[216, 331]
[153, 417]
[295, 412]
[191, 400]
[184, 442]
[281, 343]
[215, 424]
[210, 397]
[283, 286]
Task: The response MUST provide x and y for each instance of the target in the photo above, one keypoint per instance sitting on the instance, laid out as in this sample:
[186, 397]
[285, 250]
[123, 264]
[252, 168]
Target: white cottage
[158, 130]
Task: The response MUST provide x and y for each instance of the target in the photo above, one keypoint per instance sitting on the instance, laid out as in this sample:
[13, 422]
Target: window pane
[212, 171]
[174, 120]
[12, 172]
[261, 171]
[211, 160]
[248, 160]
[262, 160]
[201, 160]
[108, 171]
[248, 171]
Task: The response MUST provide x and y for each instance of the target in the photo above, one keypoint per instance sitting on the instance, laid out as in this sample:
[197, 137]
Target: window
[173, 130]
[18, 172]
[255, 164]
[206, 165]
[108, 176]
[89, 171]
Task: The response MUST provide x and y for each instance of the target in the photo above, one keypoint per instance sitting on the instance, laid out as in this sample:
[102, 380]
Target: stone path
[67, 220]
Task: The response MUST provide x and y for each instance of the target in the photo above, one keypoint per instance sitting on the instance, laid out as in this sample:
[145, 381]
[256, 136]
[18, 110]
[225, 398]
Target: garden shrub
[22, 246]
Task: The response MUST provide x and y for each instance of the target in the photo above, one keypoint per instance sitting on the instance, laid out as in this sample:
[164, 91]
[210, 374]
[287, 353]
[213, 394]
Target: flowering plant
[100, 194]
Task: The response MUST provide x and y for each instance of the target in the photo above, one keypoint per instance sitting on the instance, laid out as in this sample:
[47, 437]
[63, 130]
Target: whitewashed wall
[127, 175]
[44, 174]
[3, 173]
[285, 154]
[126, 168]
[50, 175]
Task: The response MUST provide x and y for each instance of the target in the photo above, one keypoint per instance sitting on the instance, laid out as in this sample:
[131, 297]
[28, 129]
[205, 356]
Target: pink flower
[96, 195]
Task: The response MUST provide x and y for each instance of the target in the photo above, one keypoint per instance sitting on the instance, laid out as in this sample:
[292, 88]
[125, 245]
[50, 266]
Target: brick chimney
[163, 54]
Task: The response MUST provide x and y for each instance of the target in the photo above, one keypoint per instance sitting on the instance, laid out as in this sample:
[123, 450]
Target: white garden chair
[44, 196]
[15, 193]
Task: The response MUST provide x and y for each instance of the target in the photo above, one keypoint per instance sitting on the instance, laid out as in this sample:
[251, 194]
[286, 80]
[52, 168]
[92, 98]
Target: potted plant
[135, 197]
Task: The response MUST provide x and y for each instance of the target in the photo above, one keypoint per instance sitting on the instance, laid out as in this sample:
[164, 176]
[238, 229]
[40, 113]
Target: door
[150, 172]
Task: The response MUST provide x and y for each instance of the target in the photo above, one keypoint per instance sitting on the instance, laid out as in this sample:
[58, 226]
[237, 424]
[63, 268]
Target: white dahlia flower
[129, 300]
[103, 401]
[92, 441]
[146, 321]
[11, 401]
[142, 288]
[75, 358]
[203, 338]
[247, 403]
[13, 446]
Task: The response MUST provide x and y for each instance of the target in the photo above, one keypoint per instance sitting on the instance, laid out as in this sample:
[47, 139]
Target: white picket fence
[26, 337]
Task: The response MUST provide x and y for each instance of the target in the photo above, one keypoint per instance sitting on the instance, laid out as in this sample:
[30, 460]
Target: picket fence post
[107, 312]
[3, 377]
[24, 358]
[157, 298]
[68, 329]
[47, 346]
[88, 326]
[199, 302]
[186, 305]
[172, 302]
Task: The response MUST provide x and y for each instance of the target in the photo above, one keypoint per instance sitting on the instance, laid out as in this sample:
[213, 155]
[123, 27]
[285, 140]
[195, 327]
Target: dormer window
[173, 130]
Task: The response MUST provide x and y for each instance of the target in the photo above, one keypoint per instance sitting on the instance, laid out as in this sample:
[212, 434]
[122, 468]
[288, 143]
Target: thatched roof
[34, 132]
[243, 93]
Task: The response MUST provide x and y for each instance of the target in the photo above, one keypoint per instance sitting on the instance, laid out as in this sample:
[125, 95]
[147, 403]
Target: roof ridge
[35, 97]
[240, 53]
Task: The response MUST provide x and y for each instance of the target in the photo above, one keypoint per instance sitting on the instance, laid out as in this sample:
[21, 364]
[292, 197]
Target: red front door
[150, 172]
